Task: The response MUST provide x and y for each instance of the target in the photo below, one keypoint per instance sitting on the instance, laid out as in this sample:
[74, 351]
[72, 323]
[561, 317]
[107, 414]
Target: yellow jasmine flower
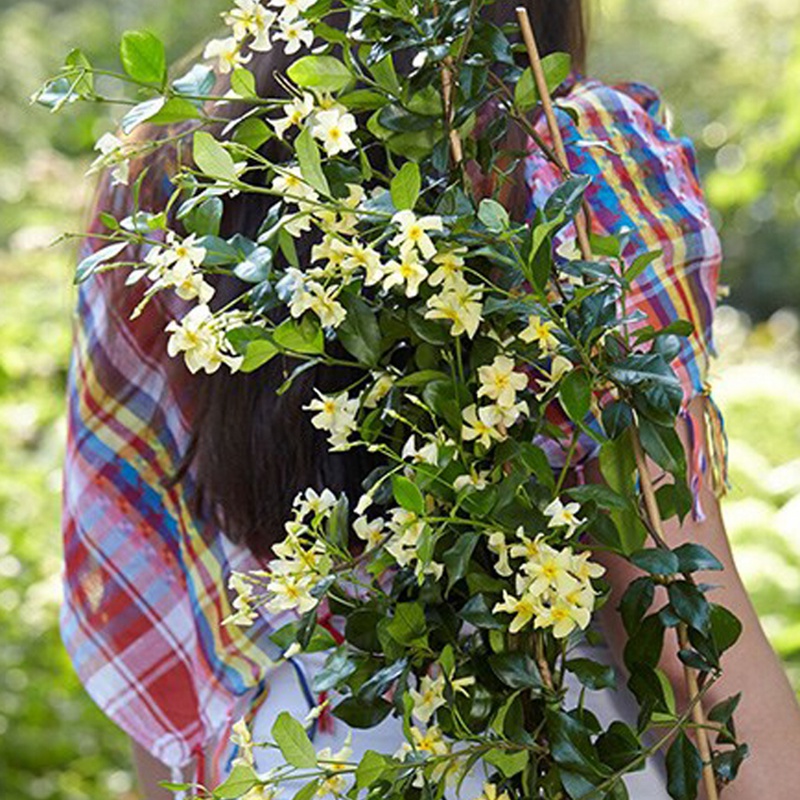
[541, 332]
[500, 381]
[499, 546]
[333, 129]
[480, 425]
[295, 32]
[295, 113]
[524, 608]
[228, 53]
[414, 233]
[490, 793]
[370, 532]
[564, 516]
[429, 697]
[408, 271]
[450, 263]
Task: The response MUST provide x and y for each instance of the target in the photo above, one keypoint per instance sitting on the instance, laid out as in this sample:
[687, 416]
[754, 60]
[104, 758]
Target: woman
[164, 497]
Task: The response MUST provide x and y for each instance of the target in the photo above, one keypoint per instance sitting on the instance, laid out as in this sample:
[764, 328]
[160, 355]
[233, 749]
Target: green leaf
[694, 558]
[656, 561]
[89, 264]
[516, 670]
[211, 158]
[725, 627]
[303, 336]
[308, 156]
[407, 626]
[140, 113]
[325, 73]
[636, 602]
[198, 81]
[457, 558]
[358, 714]
[143, 57]
[361, 629]
[407, 495]
[592, 674]
[243, 83]
[617, 418]
[370, 769]
[257, 354]
[509, 763]
[619, 746]
[359, 333]
[690, 605]
[338, 667]
[575, 393]
[241, 780]
[405, 186]
[570, 744]
[252, 133]
[291, 737]
[493, 215]
[644, 647]
[684, 768]
[604, 497]
[476, 612]
[556, 68]
[204, 218]
[79, 72]
[639, 265]
[176, 109]
[309, 791]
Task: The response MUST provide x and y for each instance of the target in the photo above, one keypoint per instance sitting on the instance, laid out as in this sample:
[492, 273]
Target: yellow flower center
[414, 233]
[335, 134]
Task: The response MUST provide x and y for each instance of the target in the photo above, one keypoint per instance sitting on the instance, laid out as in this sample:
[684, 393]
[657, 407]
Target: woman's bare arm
[768, 716]
[150, 772]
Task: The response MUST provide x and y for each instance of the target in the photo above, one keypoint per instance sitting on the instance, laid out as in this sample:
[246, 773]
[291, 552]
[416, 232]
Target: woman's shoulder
[629, 99]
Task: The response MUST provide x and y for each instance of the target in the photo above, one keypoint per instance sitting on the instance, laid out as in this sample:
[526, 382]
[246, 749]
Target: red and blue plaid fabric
[145, 581]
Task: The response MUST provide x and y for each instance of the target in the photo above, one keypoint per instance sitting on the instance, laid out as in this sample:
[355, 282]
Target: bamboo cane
[552, 123]
[648, 491]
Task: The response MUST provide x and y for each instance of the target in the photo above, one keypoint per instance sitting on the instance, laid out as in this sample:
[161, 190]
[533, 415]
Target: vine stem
[648, 490]
[581, 221]
[690, 676]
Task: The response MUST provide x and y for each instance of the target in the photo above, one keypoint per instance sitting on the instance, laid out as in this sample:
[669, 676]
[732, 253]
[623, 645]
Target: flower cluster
[499, 382]
[553, 586]
[302, 558]
[253, 26]
[176, 266]
[201, 336]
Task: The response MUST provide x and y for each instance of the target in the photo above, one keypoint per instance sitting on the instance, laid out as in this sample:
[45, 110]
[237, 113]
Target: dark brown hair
[252, 450]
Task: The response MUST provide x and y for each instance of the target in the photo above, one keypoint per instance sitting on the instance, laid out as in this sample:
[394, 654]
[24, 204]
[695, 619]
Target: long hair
[252, 450]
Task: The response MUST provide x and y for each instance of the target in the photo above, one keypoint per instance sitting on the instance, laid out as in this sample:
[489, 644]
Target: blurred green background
[730, 72]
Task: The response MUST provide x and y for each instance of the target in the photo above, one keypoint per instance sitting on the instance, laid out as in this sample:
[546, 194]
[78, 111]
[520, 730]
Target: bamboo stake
[648, 490]
[552, 123]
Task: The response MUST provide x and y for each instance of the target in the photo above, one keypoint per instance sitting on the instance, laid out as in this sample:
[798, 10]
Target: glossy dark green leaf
[656, 561]
[477, 612]
[617, 417]
[645, 645]
[725, 627]
[509, 763]
[575, 394]
[694, 558]
[407, 626]
[684, 768]
[592, 674]
[407, 495]
[619, 746]
[636, 602]
[358, 714]
[690, 605]
[456, 559]
[516, 670]
[359, 333]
